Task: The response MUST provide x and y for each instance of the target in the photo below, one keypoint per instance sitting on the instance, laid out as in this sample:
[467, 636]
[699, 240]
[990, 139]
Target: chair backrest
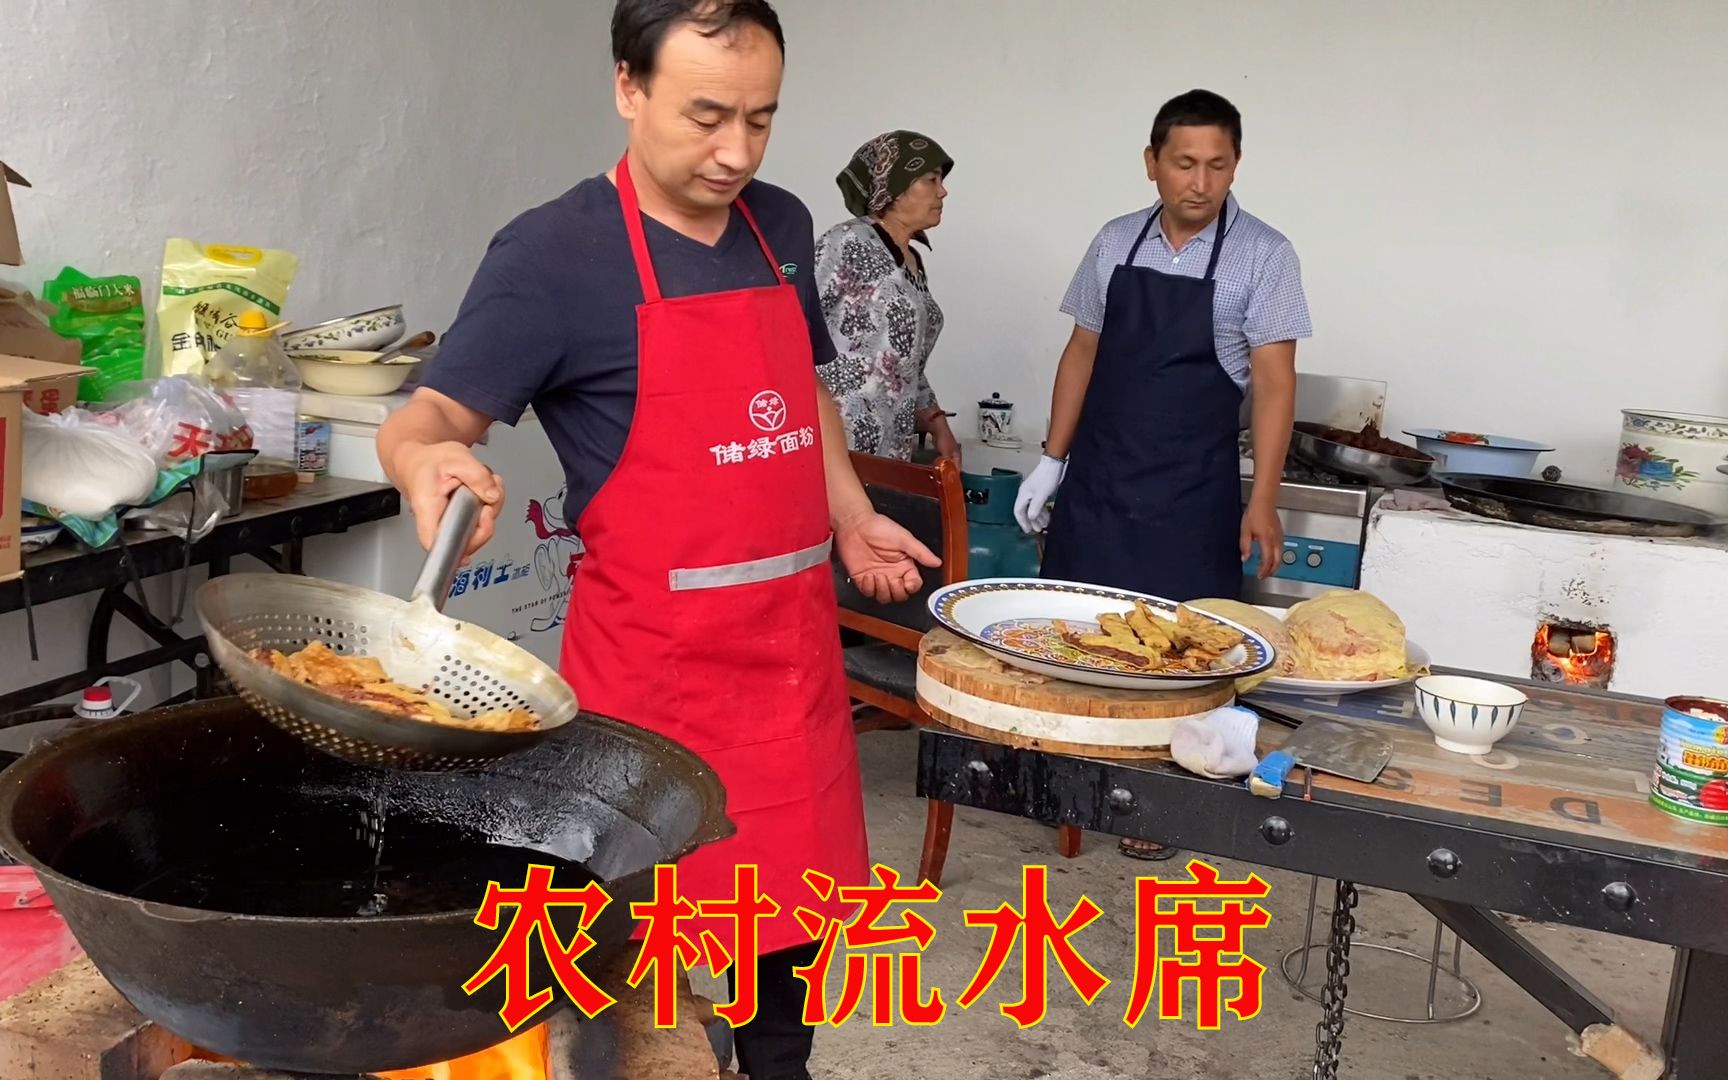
[930, 503]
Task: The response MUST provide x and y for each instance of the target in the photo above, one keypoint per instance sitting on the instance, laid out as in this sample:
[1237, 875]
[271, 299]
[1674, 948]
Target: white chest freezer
[517, 586]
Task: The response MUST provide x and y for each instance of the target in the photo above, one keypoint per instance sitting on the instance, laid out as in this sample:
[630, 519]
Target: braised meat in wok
[363, 680]
[1369, 438]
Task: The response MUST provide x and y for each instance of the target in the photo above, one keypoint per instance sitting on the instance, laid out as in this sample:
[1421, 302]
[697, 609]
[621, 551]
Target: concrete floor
[1509, 1038]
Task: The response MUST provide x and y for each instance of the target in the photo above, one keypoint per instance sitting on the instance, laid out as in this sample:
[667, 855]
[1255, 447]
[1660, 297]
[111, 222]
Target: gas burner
[1300, 472]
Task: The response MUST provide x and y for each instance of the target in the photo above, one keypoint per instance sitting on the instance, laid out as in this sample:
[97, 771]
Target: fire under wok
[272, 903]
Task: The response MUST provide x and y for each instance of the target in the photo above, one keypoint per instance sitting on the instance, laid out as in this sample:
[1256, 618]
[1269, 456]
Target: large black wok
[1528, 501]
[213, 807]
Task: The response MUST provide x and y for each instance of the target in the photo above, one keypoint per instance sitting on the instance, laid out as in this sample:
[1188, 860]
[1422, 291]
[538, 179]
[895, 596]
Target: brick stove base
[1474, 592]
[73, 1025]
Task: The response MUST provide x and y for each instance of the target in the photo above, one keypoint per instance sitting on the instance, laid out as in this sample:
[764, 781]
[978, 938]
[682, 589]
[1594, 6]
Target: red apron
[704, 609]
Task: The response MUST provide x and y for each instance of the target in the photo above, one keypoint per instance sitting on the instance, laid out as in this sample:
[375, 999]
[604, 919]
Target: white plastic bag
[180, 418]
[82, 467]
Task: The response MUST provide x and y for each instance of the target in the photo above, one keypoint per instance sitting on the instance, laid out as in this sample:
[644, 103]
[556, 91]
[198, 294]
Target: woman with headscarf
[877, 301]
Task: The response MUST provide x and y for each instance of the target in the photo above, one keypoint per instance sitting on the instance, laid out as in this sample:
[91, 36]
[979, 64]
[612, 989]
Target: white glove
[1220, 744]
[1031, 505]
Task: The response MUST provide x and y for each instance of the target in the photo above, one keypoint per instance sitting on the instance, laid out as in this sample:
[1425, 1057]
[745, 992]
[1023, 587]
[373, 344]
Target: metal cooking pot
[230, 484]
[1387, 470]
[335, 994]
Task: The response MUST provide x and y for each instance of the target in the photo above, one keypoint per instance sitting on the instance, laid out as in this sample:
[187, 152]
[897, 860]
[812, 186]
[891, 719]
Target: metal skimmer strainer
[468, 669]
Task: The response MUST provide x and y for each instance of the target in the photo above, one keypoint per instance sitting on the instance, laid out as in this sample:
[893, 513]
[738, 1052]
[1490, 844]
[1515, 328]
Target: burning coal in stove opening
[1573, 654]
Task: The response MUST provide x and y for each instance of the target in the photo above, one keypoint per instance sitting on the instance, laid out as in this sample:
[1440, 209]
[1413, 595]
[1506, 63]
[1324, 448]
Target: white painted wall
[383, 142]
[1512, 213]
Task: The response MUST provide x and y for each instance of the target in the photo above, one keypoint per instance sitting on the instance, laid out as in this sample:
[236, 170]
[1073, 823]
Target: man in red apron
[648, 319]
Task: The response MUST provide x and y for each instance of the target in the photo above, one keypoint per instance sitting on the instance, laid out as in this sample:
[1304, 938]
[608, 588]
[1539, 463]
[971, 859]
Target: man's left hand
[882, 558]
[1261, 528]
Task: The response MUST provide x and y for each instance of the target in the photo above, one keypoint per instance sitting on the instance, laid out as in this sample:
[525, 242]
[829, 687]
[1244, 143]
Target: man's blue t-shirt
[549, 320]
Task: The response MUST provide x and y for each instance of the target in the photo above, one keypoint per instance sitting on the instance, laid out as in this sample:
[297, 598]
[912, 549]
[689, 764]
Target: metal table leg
[1695, 1034]
[1468, 990]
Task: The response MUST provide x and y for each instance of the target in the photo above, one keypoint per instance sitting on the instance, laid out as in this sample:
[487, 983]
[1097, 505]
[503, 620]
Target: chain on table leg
[1329, 1032]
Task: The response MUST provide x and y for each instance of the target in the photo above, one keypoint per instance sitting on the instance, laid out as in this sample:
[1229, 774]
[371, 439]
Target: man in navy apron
[1176, 309]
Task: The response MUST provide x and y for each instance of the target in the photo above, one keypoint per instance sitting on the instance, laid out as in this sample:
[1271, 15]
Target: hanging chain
[1329, 1033]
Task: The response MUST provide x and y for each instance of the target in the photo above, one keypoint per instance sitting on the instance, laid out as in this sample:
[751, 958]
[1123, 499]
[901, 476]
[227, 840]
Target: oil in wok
[229, 851]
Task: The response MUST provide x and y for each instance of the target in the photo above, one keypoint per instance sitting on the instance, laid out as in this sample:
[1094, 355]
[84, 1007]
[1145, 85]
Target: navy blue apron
[1152, 499]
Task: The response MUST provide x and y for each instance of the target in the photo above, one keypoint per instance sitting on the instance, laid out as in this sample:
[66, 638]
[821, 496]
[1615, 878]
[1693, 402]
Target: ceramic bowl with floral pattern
[368, 331]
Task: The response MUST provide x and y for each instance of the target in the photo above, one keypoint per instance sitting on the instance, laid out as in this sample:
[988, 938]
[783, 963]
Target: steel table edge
[1378, 846]
[156, 553]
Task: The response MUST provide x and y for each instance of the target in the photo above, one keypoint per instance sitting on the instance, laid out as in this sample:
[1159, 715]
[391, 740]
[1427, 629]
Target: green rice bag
[106, 316]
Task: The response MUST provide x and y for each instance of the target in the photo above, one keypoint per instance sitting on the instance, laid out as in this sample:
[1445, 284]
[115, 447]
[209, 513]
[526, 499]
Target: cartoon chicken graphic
[555, 560]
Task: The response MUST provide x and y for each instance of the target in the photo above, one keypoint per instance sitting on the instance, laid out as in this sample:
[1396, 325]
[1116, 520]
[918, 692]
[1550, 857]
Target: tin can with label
[1691, 777]
[313, 444]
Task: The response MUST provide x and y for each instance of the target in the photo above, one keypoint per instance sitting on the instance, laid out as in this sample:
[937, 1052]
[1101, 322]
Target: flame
[521, 1057]
[1575, 667]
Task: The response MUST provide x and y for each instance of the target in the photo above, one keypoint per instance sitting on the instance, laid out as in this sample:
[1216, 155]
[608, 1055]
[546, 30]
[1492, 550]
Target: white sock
[1219, 745]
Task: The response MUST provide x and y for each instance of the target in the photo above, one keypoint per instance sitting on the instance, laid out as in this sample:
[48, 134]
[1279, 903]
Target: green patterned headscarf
[882, 169]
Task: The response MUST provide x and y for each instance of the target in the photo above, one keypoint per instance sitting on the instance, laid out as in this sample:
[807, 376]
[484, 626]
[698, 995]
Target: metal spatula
[470, 670]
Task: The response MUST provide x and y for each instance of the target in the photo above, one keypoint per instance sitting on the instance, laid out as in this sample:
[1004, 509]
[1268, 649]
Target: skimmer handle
[455, 529]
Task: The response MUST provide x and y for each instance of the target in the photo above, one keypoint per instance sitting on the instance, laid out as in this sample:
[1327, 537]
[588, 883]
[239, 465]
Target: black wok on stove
[215, 870]
[1528, 501]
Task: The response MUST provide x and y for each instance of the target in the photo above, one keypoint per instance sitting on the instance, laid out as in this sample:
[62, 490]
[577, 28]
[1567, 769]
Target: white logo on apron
[768, 411]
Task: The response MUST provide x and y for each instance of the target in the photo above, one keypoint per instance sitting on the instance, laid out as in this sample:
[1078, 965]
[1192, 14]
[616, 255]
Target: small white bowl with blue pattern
[1468, 716]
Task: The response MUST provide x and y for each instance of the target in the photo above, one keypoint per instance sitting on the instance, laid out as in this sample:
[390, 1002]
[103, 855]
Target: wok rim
[1311, 430]
[1370, 466]
[713, 827]
[1689, 517]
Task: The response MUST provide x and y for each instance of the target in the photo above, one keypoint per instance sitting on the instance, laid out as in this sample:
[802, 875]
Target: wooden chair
[881, 653]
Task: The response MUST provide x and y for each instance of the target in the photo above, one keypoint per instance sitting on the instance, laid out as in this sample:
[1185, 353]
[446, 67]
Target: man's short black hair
[640, 26]
[1197, 108]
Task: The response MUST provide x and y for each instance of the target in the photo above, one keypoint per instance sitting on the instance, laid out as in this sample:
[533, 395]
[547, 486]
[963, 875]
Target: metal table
[270, 531]
[1555, 825]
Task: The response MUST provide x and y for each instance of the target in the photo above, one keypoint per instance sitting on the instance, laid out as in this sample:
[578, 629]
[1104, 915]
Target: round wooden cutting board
[965, 688]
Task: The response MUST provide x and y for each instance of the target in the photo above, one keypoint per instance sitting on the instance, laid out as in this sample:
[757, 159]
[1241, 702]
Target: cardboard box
[10, 253]
[24, 332]
[18, 375]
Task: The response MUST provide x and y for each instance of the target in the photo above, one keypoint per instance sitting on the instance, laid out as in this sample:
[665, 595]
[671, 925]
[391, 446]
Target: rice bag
[80, 467]
[181, 418]
[84, 470]
[106, 316]
[206, 288]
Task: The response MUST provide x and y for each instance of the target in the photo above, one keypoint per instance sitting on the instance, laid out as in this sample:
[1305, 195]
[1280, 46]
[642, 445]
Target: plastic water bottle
[255, 372]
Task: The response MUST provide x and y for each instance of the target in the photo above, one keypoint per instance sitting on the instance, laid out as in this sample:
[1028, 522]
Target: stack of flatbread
[1348, 636]
[1340, 636]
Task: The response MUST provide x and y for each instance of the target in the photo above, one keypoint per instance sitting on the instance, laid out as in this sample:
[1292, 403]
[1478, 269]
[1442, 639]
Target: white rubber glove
[1220, 745]
[1031, 505]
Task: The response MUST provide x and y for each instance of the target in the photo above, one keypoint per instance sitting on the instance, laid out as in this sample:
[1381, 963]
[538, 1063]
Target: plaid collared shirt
[1259, 297]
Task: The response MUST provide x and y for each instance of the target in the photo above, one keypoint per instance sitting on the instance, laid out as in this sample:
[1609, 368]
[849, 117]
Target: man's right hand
[423, 447]
[1031, 504]
[429, 473]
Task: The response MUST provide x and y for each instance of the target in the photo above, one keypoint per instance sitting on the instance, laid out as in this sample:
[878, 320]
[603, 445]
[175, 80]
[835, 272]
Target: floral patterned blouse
[884, 323]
